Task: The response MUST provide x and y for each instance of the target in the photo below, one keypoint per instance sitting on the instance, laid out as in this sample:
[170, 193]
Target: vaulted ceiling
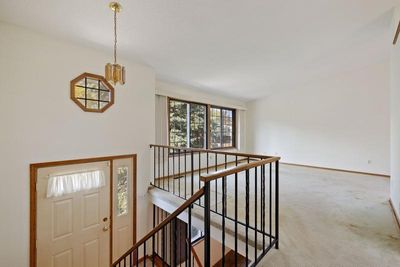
[240, 48]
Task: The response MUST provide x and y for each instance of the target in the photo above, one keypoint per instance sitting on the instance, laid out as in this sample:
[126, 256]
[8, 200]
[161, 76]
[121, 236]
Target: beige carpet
[327, 218]
[331, 218]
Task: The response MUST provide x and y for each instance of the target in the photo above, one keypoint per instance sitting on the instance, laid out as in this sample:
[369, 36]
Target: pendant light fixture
[115, 73]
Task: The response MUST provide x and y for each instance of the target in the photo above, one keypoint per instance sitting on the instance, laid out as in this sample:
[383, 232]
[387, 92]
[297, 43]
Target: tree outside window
[188, 125]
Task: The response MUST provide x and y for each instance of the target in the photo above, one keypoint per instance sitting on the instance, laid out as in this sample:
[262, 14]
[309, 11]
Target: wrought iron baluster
[168, 171]
[223, 217]
[199, 175]
[216, 183]
[247, 216]
[263, 204]
[163, 167]
[158, 165]
[207, 229]
[189, 233]
[255, 213]
[270, 204]
[137, 256]
[185, 153]
[236, 214]
[144, 254]
[154, 166]
[207, 162]
[192, 172]
[179, 172]
[277, 204]
[173, 171]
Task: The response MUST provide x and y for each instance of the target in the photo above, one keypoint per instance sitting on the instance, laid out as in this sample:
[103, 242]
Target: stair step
[230, 260]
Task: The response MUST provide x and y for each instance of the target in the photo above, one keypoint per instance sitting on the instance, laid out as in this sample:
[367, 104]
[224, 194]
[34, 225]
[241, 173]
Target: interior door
[73, 229]
[123, 217]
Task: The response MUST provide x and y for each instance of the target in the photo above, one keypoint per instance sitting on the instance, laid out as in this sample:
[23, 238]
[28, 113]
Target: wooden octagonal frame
[92, 76]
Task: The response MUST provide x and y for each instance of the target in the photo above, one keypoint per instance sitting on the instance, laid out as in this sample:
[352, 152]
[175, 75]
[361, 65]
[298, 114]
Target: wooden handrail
[240, 154]
[167, 220]
[243, 167]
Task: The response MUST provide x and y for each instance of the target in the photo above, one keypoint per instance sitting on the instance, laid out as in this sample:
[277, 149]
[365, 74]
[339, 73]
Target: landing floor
[331, 218]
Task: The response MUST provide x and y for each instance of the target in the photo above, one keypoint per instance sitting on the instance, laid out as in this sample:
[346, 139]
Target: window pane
[122, 191]
[227, 130]
[92, 83]
[105, 96]
[92, 104]
[178, 123]
[197, 125]
[215, 127]
[79, 92]
[92, 94]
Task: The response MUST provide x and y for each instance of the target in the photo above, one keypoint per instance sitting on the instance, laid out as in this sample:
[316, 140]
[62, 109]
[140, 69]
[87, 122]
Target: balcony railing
[235, 194]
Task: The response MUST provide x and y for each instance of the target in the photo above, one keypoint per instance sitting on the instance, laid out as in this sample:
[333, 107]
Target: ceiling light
[115, 73]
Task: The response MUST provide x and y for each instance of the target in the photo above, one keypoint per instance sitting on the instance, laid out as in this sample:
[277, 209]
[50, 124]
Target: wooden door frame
[33, 197]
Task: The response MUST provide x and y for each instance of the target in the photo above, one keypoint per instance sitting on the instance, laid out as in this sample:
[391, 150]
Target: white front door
[73, 229]
[122, 206]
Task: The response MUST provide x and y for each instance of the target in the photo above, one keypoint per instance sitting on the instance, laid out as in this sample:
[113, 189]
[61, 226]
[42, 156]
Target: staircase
[210, 208]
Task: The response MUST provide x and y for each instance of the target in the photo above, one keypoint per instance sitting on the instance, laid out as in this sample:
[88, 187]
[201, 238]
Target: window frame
[233, 127]
[100, 79]
[188, 137]
[208, 123]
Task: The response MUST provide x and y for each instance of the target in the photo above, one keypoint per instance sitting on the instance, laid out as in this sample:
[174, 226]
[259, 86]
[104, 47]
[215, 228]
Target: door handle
[105, 228]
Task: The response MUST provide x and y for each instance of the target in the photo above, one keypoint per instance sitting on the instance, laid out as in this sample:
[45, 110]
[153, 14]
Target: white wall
[395, 119]
[40, 123]
[193, 94]
[339, 122]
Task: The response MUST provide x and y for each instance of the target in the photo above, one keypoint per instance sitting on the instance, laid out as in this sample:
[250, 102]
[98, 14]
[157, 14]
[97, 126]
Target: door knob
[105, 228]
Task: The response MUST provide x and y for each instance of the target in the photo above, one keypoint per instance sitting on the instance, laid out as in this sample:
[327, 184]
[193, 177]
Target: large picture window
[200, 125]
[187, 124]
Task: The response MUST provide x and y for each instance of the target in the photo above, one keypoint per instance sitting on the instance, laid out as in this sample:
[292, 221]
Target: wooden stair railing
[158, 241]
[188, 174]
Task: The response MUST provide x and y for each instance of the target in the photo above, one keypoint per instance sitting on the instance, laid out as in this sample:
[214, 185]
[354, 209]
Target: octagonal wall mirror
[92, 93]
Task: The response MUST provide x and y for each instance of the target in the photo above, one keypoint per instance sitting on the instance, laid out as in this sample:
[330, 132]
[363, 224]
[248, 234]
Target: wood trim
[32, 217]
[396, 217]
[147, 257]
[134, 184]
[167, 220]
[158, 261]
[333, 169]
[111, 209]
[196, 257]
[93, 76]
[396, 36]
[229, 171]
[33, 170]
[80, 161]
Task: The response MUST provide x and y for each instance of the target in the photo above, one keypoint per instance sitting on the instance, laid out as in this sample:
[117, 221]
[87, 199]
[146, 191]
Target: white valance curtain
[59, 185]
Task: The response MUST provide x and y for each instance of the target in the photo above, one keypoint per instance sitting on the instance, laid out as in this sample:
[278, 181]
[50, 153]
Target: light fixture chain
[115, 36]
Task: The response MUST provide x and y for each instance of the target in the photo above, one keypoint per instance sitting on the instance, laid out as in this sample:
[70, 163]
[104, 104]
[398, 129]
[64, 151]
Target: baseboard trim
[339, 170]
[396, 217]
